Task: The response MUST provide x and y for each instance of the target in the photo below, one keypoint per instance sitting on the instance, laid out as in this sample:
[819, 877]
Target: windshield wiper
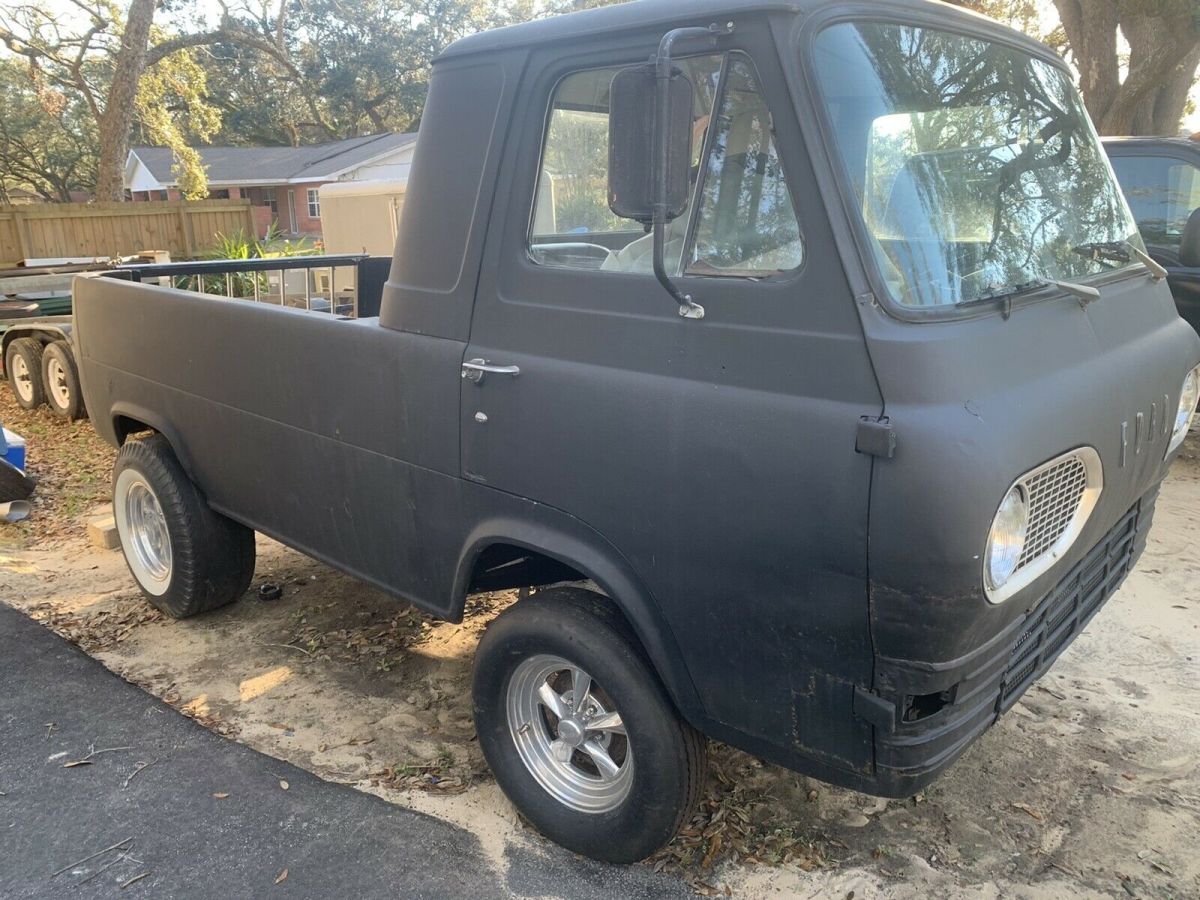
[1081, 292]
[1006, 294]
[1121, 251]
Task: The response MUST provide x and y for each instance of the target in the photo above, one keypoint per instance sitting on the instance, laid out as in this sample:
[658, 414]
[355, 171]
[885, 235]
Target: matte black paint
[704, 473]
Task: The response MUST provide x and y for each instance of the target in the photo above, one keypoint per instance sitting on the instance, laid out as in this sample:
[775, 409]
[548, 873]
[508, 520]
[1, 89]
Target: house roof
[263, 165]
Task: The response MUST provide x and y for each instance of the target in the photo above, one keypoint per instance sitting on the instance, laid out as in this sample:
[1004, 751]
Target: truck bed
[299, 425]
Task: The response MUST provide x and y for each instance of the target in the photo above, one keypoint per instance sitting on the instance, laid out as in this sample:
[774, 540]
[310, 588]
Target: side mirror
[634, 145]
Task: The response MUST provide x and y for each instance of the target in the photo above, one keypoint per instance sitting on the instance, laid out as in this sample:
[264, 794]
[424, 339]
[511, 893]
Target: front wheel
[186, 558]
[579, 731]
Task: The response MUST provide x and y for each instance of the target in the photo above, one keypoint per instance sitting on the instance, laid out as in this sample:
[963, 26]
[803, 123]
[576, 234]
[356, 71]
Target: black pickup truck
[773, 366]
[1161, 180]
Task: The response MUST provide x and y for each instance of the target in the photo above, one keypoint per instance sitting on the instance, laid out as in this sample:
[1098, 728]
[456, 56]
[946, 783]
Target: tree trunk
[117, 120]
[1091, 28]
[1163, 45]
[1164, 55]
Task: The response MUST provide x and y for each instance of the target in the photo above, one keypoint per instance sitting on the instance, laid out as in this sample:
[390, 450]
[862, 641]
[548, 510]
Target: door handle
[473, 370]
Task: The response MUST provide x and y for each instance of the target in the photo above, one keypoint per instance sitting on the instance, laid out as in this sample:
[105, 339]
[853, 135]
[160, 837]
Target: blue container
[13, 446]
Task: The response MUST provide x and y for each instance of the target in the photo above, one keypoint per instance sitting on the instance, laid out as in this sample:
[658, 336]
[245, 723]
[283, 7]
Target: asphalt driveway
[107, 792]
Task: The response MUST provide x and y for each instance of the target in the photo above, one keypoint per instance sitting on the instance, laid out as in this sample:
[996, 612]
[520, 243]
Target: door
[1163, 190]
[716, 455]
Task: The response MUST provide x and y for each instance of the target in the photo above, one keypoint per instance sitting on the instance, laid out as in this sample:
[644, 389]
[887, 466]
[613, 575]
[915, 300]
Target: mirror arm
[688, 308]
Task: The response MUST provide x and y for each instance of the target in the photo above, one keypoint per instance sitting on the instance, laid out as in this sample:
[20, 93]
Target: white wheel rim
[142, 527]
[58, 388]
[21, 381]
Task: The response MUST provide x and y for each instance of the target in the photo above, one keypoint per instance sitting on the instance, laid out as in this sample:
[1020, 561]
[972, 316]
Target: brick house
[280, 182]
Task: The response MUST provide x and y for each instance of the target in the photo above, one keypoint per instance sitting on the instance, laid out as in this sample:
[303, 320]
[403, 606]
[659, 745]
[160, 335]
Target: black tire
[26, 353]
[14, 484]
[60, 372]
[211, 557]
[671, 757]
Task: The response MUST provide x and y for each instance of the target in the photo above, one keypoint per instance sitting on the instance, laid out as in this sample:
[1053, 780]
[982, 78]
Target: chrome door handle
[473, 370]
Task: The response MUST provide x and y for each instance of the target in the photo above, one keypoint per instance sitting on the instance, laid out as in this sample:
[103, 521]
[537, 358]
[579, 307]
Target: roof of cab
[663, 12]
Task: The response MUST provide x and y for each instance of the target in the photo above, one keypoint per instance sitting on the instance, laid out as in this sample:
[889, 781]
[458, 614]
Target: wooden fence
[54, 230]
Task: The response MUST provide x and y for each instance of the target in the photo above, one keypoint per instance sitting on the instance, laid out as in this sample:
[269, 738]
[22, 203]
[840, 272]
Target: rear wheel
[579, 731]
[186, 558]
[60, 380]
[23, 365]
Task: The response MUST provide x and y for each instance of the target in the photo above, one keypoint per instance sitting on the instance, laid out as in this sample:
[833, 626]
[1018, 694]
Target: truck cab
[768, 341]
[1161, 180]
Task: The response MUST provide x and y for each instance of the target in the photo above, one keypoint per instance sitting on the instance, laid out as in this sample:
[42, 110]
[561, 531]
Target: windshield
[976, 168]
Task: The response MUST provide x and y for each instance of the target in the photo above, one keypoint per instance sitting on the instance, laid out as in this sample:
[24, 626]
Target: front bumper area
[943, 707]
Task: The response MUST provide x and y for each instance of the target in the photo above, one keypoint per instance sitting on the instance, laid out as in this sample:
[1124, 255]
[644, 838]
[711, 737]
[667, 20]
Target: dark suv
[1161, 181]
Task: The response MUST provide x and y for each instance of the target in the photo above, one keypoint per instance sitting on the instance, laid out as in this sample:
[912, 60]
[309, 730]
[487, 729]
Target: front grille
[1059, 496]
[990, 681]
[1066, 610]
[1054, 495]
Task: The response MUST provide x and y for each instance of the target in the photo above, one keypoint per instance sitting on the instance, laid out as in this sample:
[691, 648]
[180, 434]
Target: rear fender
[150, 419]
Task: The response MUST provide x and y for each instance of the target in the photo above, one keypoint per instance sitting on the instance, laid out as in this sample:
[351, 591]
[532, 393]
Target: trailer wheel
[186, 558]
[23, 365]
[60, 381]
[578, 730]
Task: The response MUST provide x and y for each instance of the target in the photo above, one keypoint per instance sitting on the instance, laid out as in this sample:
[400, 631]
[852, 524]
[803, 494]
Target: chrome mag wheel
[143, 531]
[569, 734]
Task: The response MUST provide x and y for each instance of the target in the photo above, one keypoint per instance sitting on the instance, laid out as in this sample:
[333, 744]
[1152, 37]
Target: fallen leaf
[1029, 810]
[78, 762]
[282, 877]
[221, 796]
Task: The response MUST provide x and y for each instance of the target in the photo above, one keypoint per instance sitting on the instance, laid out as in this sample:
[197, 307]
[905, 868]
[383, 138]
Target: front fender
[560, 536]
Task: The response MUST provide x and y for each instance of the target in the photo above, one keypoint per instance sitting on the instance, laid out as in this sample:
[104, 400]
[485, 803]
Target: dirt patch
[1090, 786]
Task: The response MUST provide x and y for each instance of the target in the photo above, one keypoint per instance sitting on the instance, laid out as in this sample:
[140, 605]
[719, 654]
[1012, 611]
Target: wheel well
[501, 567]
[127, 427]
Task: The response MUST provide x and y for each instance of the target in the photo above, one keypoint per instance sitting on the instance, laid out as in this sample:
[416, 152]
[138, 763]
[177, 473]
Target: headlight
[1188, 398]
[1007, 538]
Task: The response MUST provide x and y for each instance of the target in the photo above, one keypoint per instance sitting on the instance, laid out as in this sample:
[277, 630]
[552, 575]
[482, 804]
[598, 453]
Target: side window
[746, 225]
[1162, 192]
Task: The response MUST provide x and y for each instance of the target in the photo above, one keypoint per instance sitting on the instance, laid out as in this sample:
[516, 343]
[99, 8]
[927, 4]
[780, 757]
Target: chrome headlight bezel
[1050, 549]
[1185, 412]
